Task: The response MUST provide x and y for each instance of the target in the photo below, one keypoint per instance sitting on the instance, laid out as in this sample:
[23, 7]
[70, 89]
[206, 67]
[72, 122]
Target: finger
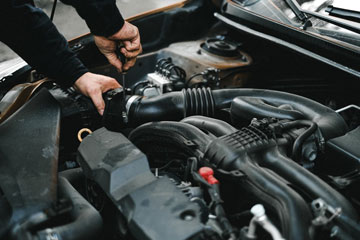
[98, 101]
[129, 64]
[130, 55]
[115, 61]
[110, 84]
[133, 44]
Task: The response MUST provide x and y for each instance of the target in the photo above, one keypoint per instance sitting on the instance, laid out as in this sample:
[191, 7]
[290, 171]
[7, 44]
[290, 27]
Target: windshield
[346, 31]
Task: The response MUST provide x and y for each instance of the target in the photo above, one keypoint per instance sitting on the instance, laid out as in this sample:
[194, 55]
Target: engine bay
[217, 137]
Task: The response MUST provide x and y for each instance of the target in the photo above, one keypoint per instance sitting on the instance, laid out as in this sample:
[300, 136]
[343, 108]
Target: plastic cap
[208, 174]
[258, 210]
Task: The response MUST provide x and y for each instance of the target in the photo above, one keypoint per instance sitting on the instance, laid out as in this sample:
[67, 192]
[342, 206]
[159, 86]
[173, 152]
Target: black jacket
[30, 33]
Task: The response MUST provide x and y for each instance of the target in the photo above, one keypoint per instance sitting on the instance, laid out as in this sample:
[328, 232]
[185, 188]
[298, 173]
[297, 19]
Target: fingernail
[101, 112]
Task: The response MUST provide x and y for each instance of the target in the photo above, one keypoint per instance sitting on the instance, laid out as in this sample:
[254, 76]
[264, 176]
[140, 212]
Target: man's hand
[129, 36]
[93, 86]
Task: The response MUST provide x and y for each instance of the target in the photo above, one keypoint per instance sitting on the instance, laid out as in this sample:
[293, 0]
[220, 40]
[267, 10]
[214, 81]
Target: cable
[216, 201]
[168, 69]
[192, 77]
[53, 10]
[296, 151]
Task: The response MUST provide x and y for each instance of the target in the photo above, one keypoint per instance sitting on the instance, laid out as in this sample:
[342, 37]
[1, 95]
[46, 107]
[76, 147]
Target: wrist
[121, 32]
[79, 82]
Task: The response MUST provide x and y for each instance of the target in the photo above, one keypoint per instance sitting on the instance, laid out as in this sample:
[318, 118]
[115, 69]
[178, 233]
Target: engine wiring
[167, 68]
[210, 77]
[216, 201]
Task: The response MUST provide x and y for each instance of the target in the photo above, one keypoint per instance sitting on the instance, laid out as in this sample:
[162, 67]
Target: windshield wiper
[297, 10]
[343, 13]
[331, 20]
[302, 15]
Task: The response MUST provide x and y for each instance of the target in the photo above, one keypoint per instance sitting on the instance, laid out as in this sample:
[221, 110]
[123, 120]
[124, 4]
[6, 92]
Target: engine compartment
[215, 136]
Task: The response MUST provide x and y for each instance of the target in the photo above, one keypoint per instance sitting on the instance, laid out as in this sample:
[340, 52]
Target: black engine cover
[153, 207]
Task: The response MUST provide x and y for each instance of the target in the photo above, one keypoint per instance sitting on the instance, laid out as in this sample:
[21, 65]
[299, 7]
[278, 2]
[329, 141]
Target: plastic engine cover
[153, 207]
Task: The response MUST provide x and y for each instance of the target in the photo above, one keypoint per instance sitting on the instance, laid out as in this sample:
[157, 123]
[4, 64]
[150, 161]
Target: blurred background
[71, 25]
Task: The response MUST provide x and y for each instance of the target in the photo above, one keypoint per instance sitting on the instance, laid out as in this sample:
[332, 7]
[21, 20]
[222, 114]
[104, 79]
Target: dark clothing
[30, 33]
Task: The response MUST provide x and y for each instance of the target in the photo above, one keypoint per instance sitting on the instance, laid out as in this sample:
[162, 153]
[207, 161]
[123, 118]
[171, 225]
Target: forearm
[102, 16]
[30, 33]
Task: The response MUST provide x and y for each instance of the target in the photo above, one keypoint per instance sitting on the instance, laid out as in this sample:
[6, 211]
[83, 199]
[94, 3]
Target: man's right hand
[93, 86]
[129, 36]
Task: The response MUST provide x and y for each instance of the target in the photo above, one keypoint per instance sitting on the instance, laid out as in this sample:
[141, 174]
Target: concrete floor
[71, 25]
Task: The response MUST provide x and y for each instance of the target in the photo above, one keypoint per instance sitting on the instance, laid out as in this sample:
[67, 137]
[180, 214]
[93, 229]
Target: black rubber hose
[214, 126]
[264, 186]
[167, 136]
[305, 180]
[250, 107]
[172, 106]
[178, 105]
[166, 107]
[330, 123]
[87, 221]
[297, 146]
[290, 208]
[181, 138]
[348, 226]
[73, 175]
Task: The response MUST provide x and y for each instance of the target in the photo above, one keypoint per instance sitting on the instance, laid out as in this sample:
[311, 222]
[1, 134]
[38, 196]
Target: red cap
[208, 174]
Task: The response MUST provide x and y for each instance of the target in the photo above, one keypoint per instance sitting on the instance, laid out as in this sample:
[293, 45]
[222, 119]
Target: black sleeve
[102, 16]
[31, 34]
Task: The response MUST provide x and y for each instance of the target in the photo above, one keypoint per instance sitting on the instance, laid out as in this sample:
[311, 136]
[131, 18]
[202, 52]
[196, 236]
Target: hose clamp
[131, 100]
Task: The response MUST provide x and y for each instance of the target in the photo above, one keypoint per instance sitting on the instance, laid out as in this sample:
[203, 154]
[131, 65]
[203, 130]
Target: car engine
[209, 138]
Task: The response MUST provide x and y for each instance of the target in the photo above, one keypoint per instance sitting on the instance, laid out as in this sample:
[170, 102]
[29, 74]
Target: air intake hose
[172, 106]
[330, 123]
[216, 127]
[178, 105]
[308, 182]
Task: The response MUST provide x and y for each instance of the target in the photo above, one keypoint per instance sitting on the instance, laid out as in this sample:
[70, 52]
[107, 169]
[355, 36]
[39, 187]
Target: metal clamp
[323, 212]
